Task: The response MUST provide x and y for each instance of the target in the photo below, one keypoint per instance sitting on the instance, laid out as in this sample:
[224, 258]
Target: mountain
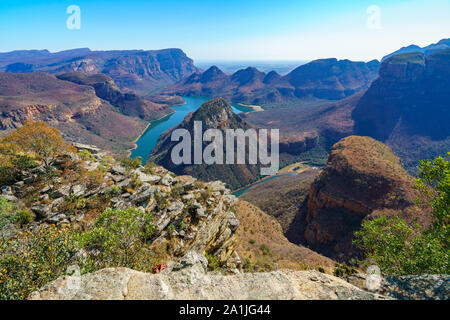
[75, 109]
[132, 70]
[214, 114]
[325, 79]
[129, 104]
[362, 179]
[432, 48]
[407, 107]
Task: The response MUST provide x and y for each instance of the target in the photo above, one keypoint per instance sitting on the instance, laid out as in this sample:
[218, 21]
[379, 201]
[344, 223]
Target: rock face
[407, 106]
[135, 70]
[325, 79]
[214, 114]
[188, 280]
[362, 179]
[129, 104]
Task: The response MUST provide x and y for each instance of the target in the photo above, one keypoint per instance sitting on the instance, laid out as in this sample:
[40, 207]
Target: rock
[92, 149]
[200, 213]
[64, 191]
[6, 189]
[45, 189]
[19, 184]
[78, 190]
[176, 207]
[417, 287]
[187, 279]
[41, 211]
[189, 196]
[168, 180]
[218, 186]
[10, 197]
[233, 222]
[59, 217]
[118, 170]
[147, 178]
[186, 181]
[144, 194]
[117, 178]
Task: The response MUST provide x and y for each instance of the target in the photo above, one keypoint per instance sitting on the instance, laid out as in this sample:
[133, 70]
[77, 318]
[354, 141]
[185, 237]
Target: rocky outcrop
[135, 70]
[186, 216]
[188, 280]
[362, 179]
[324, 79]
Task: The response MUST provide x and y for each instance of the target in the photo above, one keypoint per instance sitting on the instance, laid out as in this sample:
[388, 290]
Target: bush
[11, 214]
[33, 258]
[396, 247]
[118, 239]
[130, 164]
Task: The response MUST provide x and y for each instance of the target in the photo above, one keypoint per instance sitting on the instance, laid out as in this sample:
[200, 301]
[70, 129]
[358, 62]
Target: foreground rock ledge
[188, 280]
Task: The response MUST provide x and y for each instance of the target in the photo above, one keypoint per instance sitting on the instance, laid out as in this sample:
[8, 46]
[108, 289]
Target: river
[148, 140]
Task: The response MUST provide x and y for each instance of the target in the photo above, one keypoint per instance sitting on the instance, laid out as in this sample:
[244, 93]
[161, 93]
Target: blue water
[149, 139]
[242, 191]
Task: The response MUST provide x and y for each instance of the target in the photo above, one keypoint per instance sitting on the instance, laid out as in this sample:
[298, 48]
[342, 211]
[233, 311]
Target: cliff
[362, 179]
[133, 70]
[407, 106]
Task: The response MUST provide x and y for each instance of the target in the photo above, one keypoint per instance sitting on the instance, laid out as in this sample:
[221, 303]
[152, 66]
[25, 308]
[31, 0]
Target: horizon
[264, 30]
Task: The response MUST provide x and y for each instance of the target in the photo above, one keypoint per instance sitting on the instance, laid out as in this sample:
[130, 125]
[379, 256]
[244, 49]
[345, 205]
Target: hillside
[129, 104]
[281, 197]
[75, 109]
[407, 106]
[132, 70]
[329, 79]
[217, 114]
[262, 246]
[362, 179]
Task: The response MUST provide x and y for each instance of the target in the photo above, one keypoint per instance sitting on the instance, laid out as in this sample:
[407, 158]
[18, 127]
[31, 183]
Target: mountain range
[133, 70]
[324, 79]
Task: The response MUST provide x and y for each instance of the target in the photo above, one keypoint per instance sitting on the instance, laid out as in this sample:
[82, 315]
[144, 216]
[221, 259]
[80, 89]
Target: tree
[39, 139]
[398, 248]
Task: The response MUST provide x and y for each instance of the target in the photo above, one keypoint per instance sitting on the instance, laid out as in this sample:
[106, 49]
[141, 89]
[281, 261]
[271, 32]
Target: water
[242, 191]
[149, 139]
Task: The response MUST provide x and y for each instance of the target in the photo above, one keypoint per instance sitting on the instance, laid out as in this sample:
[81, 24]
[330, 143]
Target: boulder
[187, 279]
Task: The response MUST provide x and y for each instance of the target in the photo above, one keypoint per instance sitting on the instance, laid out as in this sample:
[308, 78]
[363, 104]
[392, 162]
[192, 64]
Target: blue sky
[228, 30]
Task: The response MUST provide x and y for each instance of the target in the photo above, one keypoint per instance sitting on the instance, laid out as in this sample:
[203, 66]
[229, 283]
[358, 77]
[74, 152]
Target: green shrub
[118, 239]
[86, 155]
[33, 258]
[398, 248]
[129, 163]
[213, 262]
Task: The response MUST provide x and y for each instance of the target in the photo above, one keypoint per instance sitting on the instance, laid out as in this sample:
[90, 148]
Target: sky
[229, 30]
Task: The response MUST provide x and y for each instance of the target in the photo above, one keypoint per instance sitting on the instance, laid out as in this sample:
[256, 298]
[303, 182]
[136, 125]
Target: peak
[365, 155]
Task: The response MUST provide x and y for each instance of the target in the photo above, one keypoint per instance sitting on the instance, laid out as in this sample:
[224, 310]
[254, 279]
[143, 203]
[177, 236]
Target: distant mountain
[80, 114]
[133, 70]
[214, 114]
[129, 104]
[432, 48]
[362, 180]
[408, 106]
[325, 79]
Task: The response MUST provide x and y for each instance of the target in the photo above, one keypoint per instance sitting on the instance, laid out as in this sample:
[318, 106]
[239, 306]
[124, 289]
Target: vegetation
[37, 256]
[398, 248]
[39, 140]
